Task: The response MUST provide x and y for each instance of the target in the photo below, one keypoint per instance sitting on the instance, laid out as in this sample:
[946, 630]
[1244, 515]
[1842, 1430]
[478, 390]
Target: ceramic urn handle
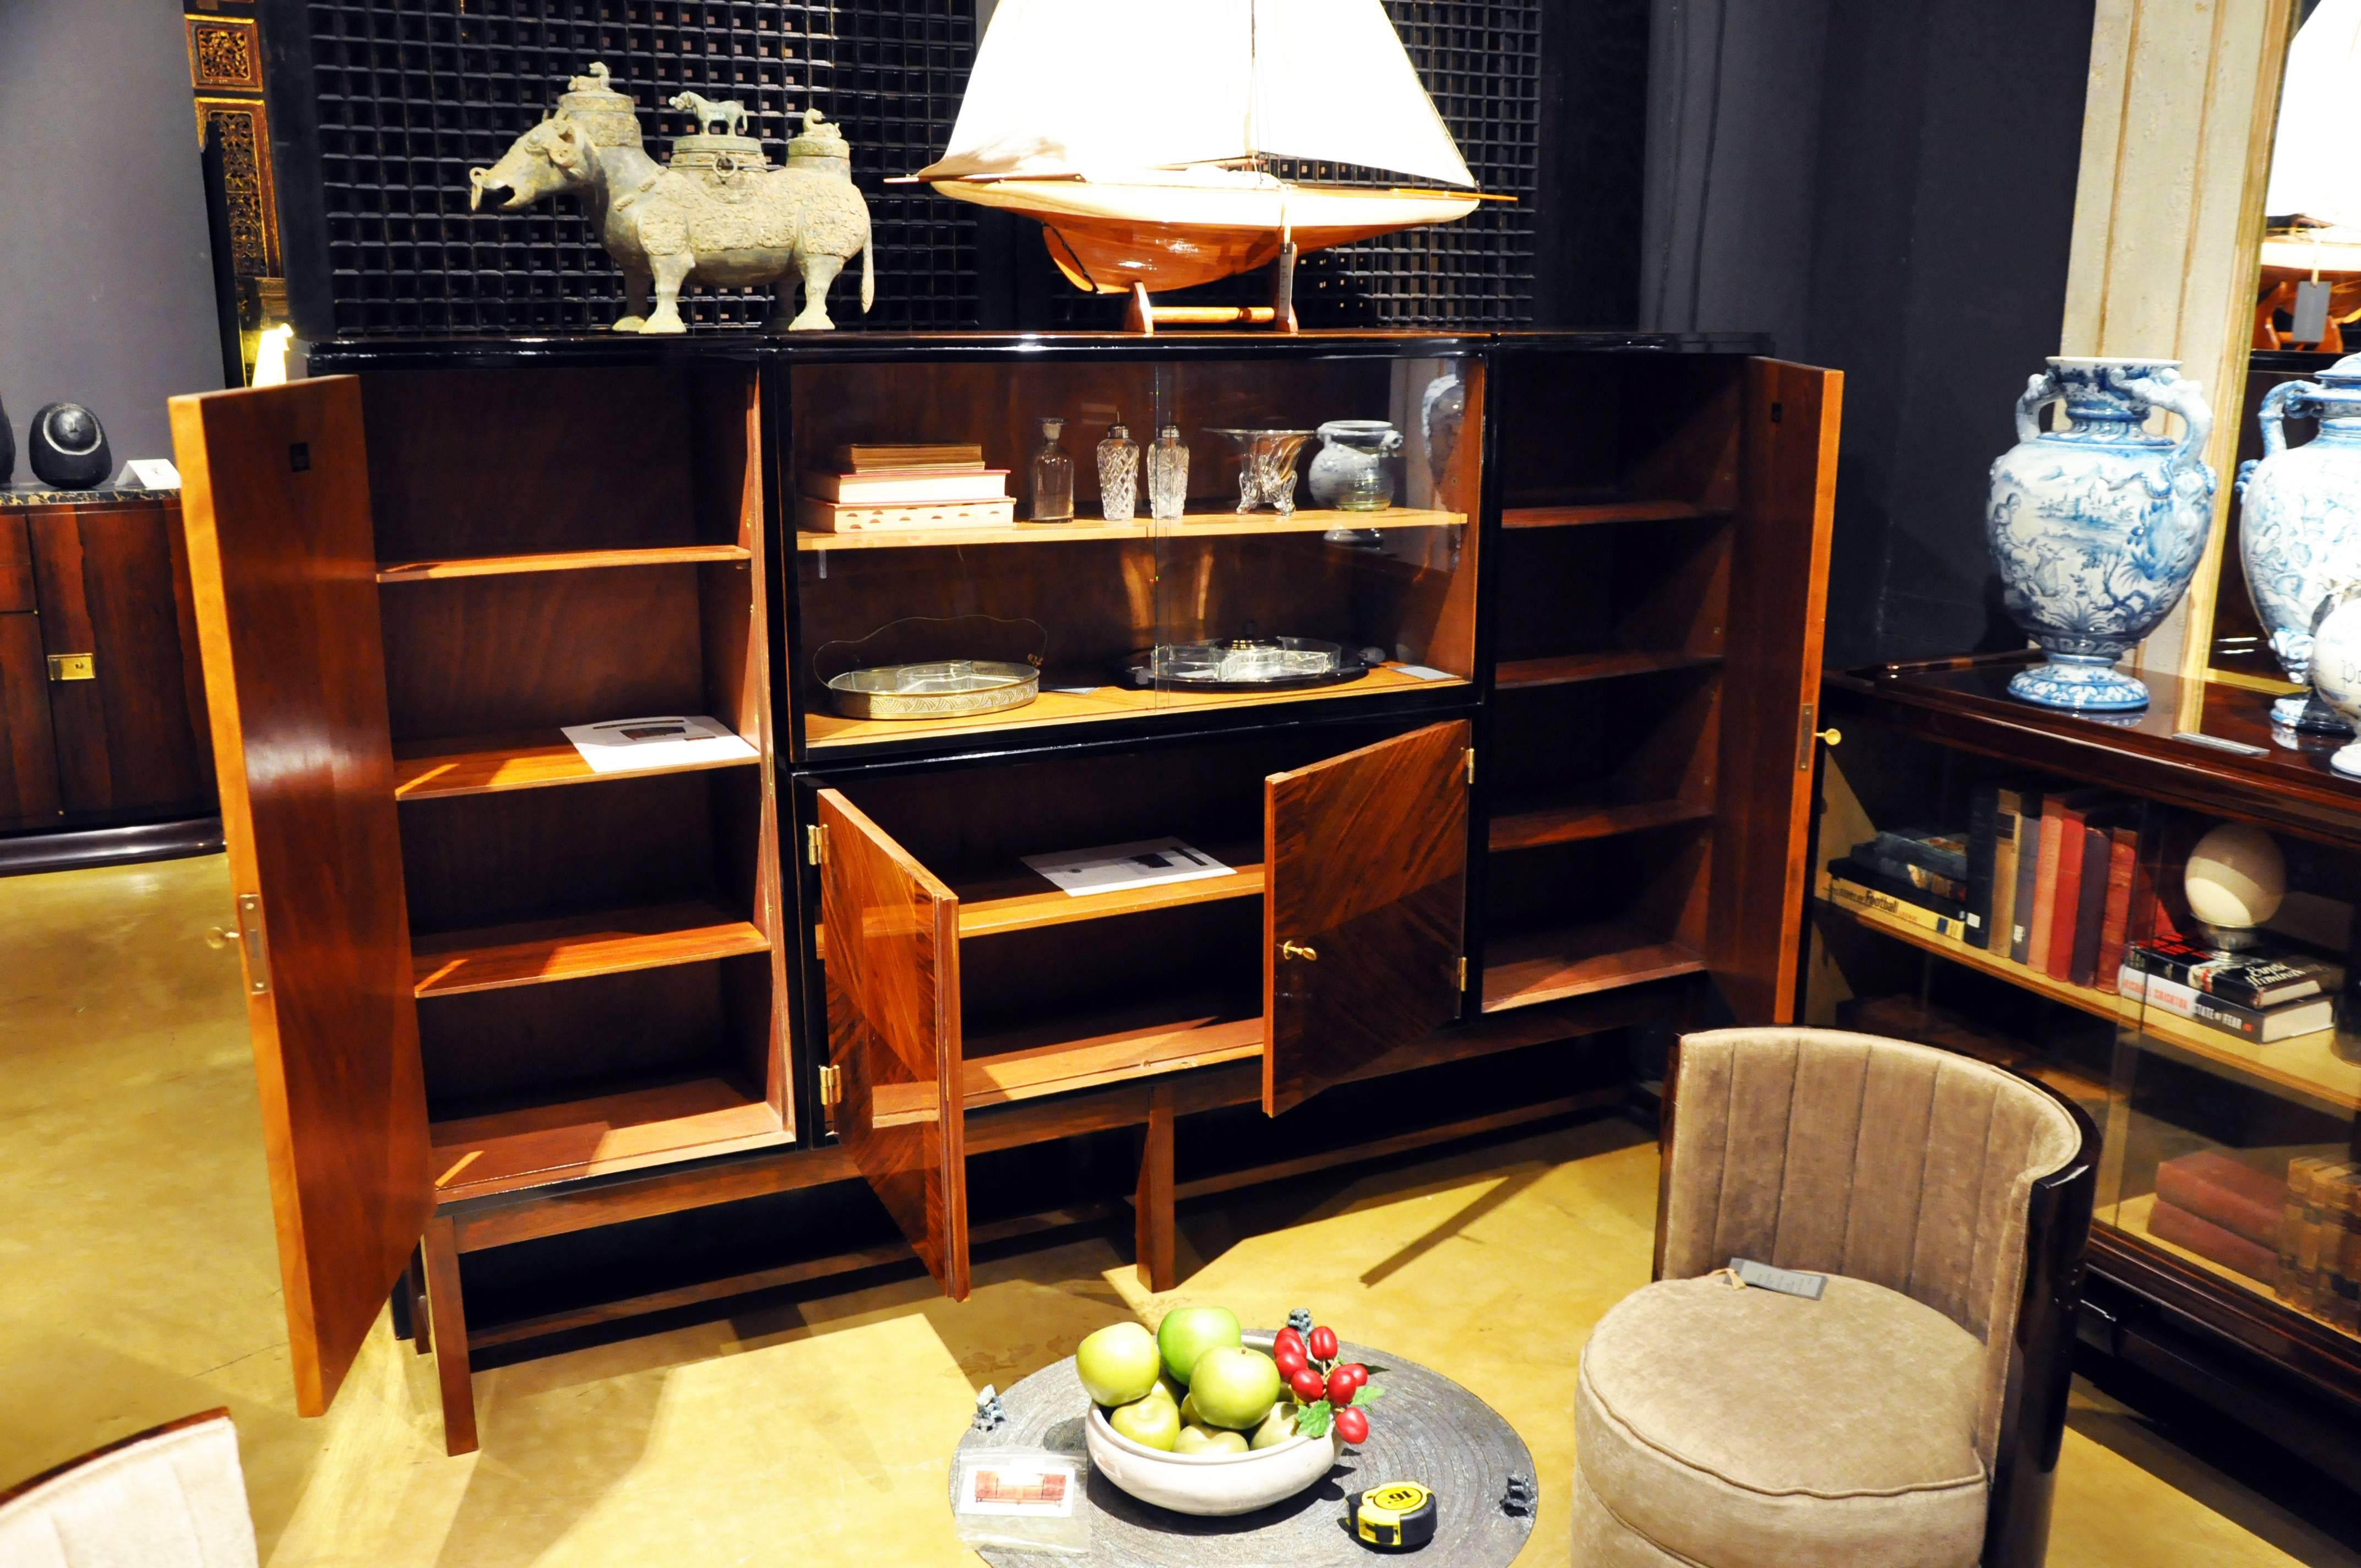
[2170, 393]
[2286, 397]
[2038, 389]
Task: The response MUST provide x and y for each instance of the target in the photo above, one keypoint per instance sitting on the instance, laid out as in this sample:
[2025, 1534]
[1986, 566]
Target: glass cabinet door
[2231, 1148]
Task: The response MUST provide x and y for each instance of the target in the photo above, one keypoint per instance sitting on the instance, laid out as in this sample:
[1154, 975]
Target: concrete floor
[137, 1283]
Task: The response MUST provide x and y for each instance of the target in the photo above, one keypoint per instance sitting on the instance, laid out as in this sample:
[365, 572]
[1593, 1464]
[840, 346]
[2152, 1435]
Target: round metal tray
[940, 688]
[1245, 664]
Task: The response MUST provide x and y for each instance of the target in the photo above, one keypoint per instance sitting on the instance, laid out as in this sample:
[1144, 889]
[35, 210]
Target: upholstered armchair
[1912, 1414]
[172, 1497]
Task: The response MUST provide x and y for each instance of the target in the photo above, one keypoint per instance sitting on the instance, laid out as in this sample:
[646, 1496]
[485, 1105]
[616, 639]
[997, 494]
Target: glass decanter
[1118, 472]
[1053, 476]
[1168, 475]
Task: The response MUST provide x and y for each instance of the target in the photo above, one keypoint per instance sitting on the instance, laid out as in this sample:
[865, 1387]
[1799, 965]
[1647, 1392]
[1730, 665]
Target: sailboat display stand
[1150, 181]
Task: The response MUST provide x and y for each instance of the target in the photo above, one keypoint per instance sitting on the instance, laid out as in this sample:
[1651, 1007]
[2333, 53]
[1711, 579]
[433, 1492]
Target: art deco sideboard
[498, 996]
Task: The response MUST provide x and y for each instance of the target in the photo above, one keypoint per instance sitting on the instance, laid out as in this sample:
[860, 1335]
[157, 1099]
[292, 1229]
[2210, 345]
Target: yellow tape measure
[1396, 1517]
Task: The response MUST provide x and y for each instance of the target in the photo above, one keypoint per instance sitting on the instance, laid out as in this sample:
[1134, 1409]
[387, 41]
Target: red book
[2168, 1222]
[2045, 881]
[2091, 906]
[2066, 900]
[2123, 869]
[2226, 1191]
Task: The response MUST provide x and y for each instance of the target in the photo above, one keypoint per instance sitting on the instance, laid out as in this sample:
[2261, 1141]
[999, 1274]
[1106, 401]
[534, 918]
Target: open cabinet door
[282, 562]
[1779, 560]
[892, 963]
[1365, 908]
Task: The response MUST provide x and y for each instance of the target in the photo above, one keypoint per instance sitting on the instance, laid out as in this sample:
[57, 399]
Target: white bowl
[1212, 1485]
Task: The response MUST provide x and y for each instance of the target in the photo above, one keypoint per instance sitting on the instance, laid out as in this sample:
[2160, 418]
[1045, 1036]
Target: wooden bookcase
[499, 997]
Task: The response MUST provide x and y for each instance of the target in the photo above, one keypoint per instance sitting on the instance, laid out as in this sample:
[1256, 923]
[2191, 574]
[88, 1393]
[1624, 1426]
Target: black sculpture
[68, 448]
[7, 446]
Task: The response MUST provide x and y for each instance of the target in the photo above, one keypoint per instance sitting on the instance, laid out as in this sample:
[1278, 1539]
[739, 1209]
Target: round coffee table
[1426, 1429]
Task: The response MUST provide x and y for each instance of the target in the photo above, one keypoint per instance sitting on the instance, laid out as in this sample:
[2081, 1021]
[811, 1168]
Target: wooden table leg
[450, 1321]
[411, 1318]
[1153, 1202]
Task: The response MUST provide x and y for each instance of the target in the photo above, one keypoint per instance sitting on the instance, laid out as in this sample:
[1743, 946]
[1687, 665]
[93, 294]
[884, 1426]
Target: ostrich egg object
[2237, 877]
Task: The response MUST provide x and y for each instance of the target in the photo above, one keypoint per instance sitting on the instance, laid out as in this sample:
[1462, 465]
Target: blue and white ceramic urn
[2097, 528]
[2300, 525]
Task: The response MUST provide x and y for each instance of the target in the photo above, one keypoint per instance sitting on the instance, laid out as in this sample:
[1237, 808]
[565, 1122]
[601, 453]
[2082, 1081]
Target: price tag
[2311, 314]
[1786, 1281]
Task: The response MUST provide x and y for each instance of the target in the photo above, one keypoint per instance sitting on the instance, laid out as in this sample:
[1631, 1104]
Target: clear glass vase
[1168, 475]
[1053, 476]
[1118, 474]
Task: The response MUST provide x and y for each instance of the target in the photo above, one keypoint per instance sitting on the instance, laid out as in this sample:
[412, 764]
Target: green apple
[1149, 1423]
[1234, 1387]
[1189, 1416]
[1118, 1363]
[1168, 1389]
[1277, 1426]
[1209, 1440]
[1187, 1333]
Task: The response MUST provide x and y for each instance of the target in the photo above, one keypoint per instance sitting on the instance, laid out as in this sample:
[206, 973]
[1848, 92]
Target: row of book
[2063, 882]
[2299, 1234]
[875, 488]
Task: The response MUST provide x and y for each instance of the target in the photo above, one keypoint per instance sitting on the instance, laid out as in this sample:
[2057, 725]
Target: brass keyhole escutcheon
[1298, 950]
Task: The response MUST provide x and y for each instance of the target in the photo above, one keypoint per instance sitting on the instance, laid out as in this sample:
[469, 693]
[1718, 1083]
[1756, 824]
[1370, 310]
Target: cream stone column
[2167, 221]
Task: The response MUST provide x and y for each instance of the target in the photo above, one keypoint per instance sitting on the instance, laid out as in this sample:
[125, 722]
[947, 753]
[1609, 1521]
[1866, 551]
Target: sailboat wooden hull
[1107, 236]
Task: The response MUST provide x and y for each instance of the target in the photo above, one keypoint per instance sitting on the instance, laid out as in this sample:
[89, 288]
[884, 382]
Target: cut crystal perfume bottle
[1053, 476]
[1168, 475]
[1118, 472]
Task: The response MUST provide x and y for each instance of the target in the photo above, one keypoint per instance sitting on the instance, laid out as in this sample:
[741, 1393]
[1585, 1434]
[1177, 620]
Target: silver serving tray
[940, 688]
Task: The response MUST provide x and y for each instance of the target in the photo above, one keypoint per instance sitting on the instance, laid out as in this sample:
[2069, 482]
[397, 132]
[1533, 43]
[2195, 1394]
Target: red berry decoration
[1321, 1344]
[1353, 1426]
[1291, 1358]
[1346, 1381]
[1307, 1384]
[1284, 1339]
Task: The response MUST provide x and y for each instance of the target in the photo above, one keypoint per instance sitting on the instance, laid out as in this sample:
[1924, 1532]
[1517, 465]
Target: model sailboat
[1137, 132]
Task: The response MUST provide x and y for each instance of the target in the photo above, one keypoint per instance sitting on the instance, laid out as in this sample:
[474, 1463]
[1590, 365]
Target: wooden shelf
[2306, 1066]
[1025, 900]
[2130, 1216]
[827, 733]
[679, 1120]
[1573, 960]
[524, 758]
[1564, 669]
[1197, 525]
[1143, 1042]
[1571, 824]
[533, 952]
[556, 561]
[1605, 512]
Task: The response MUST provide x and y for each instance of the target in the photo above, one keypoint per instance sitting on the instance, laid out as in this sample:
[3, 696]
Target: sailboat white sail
[1136, 130]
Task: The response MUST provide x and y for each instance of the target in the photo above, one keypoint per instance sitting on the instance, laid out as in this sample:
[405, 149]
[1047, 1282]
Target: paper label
[1786, 1281]
[2310, 313]
[663, 741]
[1042, 1488]
[1110, 867]
[151, 473]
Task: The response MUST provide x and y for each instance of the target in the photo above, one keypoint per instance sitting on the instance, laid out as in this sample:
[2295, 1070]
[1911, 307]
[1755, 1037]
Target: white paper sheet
[661, 741]
[1109, 868]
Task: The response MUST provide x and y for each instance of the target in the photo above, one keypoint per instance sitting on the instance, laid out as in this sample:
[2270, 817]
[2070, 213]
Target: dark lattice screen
[410, 93]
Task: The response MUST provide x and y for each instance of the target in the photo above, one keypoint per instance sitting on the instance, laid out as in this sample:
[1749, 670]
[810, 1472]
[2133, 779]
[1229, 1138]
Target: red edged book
[2065, 902]
[2114, 931]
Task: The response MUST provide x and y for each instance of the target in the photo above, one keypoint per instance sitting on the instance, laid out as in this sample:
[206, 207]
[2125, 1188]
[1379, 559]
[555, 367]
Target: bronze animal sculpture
[717, 213]
[726, 118]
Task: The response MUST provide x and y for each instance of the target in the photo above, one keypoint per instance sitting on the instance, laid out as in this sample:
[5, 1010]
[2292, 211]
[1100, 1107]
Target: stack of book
[873, 489]
[2320, 1240]
[2221, 1208]
[2251, 995]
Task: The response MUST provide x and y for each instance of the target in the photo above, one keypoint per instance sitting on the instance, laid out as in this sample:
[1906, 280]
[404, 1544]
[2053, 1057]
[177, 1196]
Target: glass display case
[1324, 548]
[2183, 978]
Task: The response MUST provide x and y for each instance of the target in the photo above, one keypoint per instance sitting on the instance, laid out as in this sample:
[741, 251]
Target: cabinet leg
[1153, 1202]
[450, 1321]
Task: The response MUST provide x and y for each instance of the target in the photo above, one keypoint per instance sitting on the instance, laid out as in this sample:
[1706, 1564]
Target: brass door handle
[1298, 950]
[217, 939]
[1831, 736]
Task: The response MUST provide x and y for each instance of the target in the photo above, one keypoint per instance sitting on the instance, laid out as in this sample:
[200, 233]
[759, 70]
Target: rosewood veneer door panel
[892, 969]
[1779, 552]
[28, 759]
[1365, 910]
[284, 568]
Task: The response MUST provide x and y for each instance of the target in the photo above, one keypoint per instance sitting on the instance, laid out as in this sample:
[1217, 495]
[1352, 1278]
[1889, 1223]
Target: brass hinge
[832, 1087]
[1471, 765]
[258, 946]
[1806, 734]
[816, 843]
[1463, 971]
[73, 666]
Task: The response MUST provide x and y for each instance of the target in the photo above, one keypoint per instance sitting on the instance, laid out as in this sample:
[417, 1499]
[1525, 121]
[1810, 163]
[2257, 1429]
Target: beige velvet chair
[173, 1496]
[1911, 1418]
